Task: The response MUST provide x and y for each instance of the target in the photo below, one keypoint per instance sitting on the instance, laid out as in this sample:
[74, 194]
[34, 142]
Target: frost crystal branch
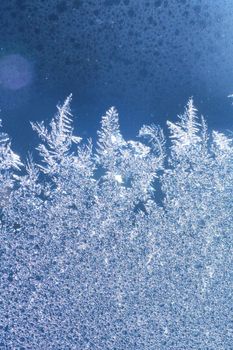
[185, 132]
[59, 140]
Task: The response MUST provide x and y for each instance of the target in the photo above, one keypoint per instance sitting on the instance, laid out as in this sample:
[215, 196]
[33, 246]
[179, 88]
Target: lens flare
[16, 72]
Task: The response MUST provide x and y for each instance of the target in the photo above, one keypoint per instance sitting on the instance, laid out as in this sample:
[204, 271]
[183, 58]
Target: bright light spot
[113, 138]
[118, 178]
[16, 72]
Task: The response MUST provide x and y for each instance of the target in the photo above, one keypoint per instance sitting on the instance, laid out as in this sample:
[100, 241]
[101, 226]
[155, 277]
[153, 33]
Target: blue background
[146, 57]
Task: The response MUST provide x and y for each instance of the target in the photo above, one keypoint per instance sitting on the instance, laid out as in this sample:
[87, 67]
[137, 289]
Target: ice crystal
[125, 247]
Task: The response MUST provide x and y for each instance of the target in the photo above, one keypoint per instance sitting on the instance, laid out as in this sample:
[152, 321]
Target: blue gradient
[145, 57]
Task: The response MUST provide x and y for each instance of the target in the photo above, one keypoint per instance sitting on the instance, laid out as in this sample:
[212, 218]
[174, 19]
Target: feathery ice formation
[128, 246]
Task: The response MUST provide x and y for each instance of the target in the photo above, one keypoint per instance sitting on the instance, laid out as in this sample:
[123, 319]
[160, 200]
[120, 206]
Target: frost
[8, 159]
[185, 132]
[126, 246]
[118, 178]
[222, 141]
[59, 139]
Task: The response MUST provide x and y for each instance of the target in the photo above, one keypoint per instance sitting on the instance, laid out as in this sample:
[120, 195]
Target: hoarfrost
[107, 261]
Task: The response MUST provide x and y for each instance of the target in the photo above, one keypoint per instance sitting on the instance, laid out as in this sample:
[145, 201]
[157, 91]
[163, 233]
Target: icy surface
[128, 246]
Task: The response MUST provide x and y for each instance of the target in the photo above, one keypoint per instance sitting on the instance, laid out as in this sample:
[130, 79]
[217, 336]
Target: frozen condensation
[127, 245]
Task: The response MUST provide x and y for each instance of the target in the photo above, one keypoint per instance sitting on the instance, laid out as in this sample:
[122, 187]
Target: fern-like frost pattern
[126, 245]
